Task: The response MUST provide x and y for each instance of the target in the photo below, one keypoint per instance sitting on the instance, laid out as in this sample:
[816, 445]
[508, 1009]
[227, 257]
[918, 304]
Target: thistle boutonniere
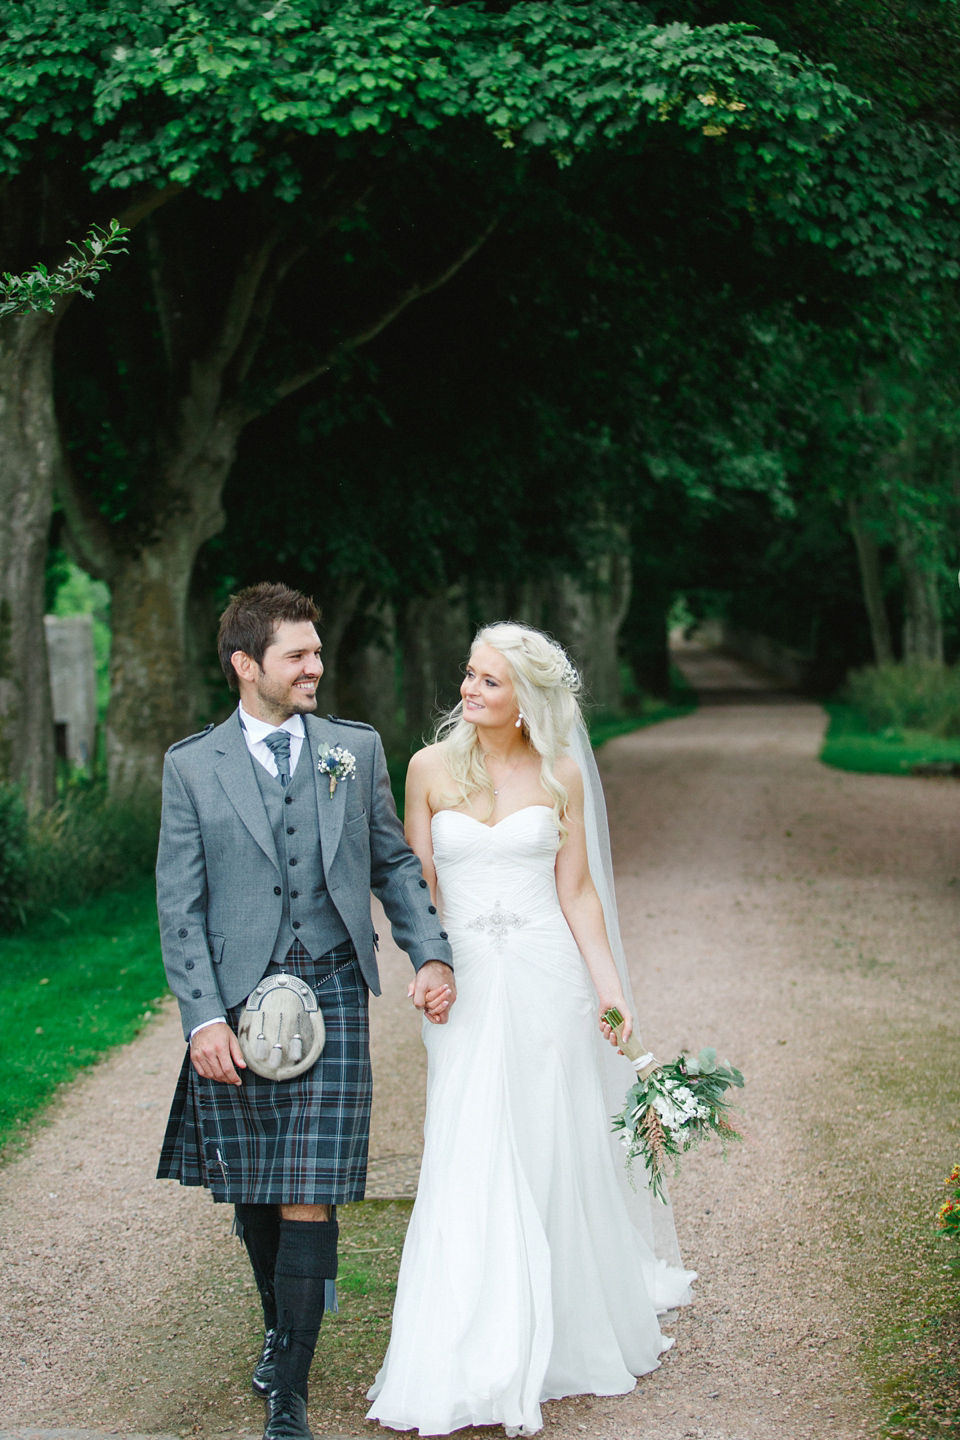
[336, 764]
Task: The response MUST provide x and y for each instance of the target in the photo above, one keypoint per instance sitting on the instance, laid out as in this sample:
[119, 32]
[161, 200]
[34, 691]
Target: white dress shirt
[254, 731]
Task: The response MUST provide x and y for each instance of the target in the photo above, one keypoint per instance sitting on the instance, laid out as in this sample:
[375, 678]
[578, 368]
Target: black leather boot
[264, 1375]
[286, 1415]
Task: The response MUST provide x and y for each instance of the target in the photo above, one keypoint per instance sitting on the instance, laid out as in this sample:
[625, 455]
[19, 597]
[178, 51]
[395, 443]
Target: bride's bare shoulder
[428, 763]
[567, 772]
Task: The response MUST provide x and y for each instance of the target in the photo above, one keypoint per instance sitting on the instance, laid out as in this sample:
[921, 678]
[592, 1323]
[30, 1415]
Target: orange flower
[947, 1210]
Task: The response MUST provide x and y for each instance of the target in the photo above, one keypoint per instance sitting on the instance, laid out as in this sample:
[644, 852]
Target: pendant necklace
[498, 788]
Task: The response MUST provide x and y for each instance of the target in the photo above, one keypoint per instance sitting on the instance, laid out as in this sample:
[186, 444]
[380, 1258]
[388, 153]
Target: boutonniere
[336, 764]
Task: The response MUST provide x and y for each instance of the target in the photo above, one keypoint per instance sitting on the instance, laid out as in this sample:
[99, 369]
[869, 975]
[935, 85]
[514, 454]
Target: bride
[531, 1270]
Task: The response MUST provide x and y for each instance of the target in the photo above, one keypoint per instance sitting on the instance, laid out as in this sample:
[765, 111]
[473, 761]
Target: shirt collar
[257, 729]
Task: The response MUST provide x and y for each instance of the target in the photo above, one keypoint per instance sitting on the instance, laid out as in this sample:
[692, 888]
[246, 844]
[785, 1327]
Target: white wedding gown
[523, 1276]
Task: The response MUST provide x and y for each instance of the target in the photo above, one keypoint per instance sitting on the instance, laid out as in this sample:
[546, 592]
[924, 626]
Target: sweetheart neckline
[464, 816]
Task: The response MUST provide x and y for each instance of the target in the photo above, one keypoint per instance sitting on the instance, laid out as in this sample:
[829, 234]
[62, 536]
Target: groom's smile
[286, 682]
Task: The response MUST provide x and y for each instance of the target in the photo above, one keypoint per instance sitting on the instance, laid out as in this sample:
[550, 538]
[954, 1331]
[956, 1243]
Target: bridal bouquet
[672, 1107]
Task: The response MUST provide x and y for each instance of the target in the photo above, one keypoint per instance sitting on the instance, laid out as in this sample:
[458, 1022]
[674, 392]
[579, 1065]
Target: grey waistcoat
[320, 927]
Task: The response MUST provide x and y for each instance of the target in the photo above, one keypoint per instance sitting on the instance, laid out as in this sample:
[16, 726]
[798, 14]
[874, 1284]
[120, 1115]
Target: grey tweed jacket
[218, 872]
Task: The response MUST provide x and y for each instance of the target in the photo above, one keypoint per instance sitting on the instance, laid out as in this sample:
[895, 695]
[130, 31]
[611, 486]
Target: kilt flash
[291, 1142]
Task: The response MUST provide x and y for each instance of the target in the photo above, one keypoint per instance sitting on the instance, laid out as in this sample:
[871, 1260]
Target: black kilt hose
[291, 1142]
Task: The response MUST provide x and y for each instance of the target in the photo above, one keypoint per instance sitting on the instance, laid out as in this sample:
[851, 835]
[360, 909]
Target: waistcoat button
[432, 909]
[183, 934]
[189, 965]
[296, 924]
[288, 799]
[423, 884]
[293, 862]
[196, 994]
[277, 890]
[294, 894]
[443, 935]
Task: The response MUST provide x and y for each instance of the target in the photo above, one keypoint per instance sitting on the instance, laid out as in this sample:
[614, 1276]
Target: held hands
[216, 1054]
[626, 1029]
[433, 991]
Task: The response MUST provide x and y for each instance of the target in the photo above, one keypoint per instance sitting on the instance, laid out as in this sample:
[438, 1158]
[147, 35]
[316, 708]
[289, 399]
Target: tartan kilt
[291, 1142]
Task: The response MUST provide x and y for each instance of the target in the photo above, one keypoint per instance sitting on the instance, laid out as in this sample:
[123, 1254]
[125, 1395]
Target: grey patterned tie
[279, 743]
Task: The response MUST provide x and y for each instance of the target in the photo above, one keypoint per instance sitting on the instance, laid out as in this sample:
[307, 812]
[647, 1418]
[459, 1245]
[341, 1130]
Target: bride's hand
[433, 991]
[626, 1029]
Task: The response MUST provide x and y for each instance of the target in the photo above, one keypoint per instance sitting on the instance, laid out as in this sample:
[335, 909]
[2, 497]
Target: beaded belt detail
[498, 924]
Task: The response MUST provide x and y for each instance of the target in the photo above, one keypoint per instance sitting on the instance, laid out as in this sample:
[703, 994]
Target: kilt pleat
[293, 1142]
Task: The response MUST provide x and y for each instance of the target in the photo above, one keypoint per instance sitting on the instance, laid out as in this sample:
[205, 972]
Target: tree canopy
[523, 279]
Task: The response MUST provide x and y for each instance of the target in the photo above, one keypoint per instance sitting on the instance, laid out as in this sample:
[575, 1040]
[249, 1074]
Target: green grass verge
[849, 745]
[884, 1199]
[73, 985]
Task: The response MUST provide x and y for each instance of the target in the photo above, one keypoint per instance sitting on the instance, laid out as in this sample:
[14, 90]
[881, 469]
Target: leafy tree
[318, 129]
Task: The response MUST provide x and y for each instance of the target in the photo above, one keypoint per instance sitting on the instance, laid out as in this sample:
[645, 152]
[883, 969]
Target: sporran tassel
[276, 1053]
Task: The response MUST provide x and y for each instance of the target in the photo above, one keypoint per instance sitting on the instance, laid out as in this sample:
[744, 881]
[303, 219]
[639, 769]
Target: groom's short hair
[251, 619]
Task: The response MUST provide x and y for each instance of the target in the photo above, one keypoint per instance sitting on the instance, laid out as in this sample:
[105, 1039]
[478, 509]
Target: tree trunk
[588, 622]
[868, 555]
[336, 611]
[435, 637]
[922, 620]
[209, 697]
[150, 704]
[367, 678]
[29, 463]
[151, 699]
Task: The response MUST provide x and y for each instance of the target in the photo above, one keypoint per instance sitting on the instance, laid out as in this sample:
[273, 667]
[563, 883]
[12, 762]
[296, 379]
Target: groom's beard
[282, 700]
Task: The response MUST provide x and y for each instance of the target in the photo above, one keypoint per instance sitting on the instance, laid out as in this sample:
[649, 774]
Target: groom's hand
[433, 991]
[216, 1054]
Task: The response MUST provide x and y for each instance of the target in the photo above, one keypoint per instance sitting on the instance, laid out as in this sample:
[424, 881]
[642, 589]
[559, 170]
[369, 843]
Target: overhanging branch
[373, 328]
[239, 307]
[274, 278]
[145, 202]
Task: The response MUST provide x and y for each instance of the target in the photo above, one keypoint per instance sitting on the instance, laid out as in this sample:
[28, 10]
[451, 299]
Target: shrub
[66, 855]
[13, 858]
[83, 845]
[915, 696]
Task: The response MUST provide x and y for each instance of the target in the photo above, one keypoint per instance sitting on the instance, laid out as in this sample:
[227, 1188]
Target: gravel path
[801, 919]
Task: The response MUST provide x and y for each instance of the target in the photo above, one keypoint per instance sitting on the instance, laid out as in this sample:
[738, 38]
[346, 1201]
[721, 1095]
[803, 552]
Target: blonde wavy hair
[546, 685]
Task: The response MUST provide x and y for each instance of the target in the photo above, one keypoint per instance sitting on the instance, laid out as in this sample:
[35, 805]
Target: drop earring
[519, 720]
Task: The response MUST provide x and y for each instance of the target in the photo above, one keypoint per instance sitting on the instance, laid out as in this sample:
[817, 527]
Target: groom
[265, 866]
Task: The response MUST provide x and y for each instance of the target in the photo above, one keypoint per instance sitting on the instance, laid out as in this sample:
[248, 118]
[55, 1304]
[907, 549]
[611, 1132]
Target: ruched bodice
[511, 864]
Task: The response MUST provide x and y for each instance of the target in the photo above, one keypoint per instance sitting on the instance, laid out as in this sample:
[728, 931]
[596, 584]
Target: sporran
[281, 1029]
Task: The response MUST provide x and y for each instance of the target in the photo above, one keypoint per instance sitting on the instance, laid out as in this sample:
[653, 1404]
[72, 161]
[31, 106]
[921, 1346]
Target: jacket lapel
[234, 770]
[330, 808]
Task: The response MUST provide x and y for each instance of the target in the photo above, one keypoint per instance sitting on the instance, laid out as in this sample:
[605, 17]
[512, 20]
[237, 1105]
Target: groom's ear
[244, 666]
